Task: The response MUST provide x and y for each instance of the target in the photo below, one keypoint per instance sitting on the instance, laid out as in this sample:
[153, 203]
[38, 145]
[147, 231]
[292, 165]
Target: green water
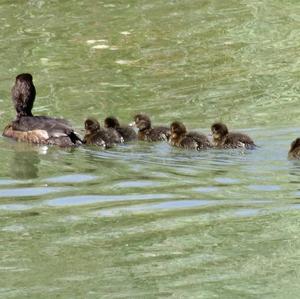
[147, 220]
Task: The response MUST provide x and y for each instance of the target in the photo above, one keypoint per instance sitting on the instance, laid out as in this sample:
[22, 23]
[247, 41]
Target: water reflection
[24, 163]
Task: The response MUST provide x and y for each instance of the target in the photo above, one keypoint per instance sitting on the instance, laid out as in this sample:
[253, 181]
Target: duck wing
[200, 139]
[239, 140]
[114, 136]
[159, 134]
[127, 133]
[102, 137]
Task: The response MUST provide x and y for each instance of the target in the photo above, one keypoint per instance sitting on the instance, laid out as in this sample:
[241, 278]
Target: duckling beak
[216, 136]
[173, 135]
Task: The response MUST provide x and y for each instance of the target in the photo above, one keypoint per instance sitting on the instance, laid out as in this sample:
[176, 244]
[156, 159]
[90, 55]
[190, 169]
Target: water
[147, 220]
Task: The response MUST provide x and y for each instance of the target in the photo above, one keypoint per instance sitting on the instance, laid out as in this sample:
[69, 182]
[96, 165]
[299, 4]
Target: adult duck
[36, 129]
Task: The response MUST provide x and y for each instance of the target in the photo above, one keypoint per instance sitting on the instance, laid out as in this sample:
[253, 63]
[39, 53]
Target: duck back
[238, 140]
[56, 131]
[159, 133]
[127, 133]
[106, 138]
[199, 139]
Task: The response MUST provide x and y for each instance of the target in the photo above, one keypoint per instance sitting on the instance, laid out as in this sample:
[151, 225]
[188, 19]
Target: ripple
[264, 187]
[137, 184]
[13, 228]
[123, 61]
[90, 199]
[94, 41]
[33, 191]
[100, 47]
[206, 189]
[168, 205]
[8, 182]
[14, 207]
[72, 178]
[246, 212]
[125, 33]
[226, 180]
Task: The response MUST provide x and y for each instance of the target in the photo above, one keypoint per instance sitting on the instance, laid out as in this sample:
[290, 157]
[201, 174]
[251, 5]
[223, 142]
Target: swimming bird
[188, 140]
[36, 129]
[147, 132]
[126, 132]
[222, 138]
[96, 135]
[294, 152]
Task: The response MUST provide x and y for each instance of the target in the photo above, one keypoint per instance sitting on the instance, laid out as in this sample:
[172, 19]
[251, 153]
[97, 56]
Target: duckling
[147, 132]
[36, 129]
[126, 132]
[222, 138]
[294, 152]
[96, 135]
[188, 140]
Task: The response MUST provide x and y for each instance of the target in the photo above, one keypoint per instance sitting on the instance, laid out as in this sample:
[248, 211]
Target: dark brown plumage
[36, 129]
[126, 132]
[222, 138]
[23, 95]
[188, 140]
[294, 152]
[149, 133]
[96, 135]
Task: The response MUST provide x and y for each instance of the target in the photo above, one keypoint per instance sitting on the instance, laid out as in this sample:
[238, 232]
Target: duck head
[111, 122]
[23, 94]
[178, 130]
[91, 126]
[295, 144]
[142, 122]
[219, 131]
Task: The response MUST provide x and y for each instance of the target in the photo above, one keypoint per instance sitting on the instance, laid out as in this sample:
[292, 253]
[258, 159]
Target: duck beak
[133, 124]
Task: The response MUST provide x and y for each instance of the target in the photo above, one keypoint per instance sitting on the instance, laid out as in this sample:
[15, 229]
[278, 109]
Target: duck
[36, 129]
[147, 132]
[95, 135]
[128, 134]
[222, 138]
[294, 152]
[180, 137]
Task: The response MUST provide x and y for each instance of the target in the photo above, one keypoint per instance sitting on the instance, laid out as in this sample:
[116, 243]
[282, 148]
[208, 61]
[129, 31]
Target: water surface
[147, 220]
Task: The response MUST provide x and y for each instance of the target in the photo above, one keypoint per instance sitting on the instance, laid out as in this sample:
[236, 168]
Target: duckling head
[219, 131]
[91, 125]
[295, 144]
[178, 129]
[111, 122]
[142, 122]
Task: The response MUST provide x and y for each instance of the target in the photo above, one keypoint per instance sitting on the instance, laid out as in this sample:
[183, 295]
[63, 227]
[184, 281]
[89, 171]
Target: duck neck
[23, 113]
